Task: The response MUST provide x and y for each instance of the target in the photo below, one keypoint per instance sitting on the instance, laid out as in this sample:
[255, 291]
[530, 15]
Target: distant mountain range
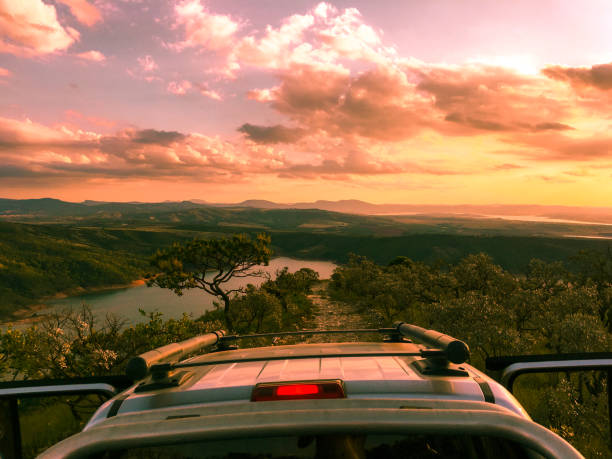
[55, 207]
[354, 206]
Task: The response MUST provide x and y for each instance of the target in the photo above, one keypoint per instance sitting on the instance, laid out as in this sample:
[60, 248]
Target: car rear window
[334, 446]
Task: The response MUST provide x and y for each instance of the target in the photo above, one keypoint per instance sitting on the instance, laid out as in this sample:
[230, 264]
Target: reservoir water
[127, 301]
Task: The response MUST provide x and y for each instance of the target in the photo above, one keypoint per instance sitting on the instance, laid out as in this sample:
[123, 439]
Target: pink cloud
[93, 56]
[147, 63]
[355, 163]
[85, 12]
[204, 29]
[30, 28]
[596, 76]
[379, 104]
[323, 38]
[272, 134]
[34, 150]
[207, 92]
[4, 72]
[179, 87]
[76, 116]
[479, 98]
[560, 147]
[29, 149]
[211, 94]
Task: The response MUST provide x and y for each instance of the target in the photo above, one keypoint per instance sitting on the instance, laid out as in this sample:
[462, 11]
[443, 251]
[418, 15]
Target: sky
[436, 102]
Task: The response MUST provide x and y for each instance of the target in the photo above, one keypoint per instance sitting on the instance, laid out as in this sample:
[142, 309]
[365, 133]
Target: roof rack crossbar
[446, 348]
[454, 350]
[139, 367]
[310, 332]
[296, 357]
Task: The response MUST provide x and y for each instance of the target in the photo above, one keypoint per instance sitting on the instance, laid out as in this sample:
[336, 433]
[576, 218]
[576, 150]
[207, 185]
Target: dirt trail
[331, 315]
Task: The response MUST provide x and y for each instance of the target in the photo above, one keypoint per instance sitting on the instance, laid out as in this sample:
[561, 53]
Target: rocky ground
[333, 315]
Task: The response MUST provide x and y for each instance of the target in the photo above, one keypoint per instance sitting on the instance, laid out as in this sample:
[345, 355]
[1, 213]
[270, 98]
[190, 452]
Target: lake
[125, 302]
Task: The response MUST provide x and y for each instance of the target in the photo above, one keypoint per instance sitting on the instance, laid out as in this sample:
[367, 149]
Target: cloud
[354, 163]
[4, 72]
[210, 94]
[378, 104]
[29, 149]
[16, 133]
[478, 98]
[85, 12]
[152, 136]
[146, 69]
[32, 150]
[204, 29]
[560, 147]
[147, 63]
[93, 55]
[271, 134]
[507, 167]
[357, 163]
[322, 37]
[31, 28]
[97, 121]
[179, 87]
[596, 76]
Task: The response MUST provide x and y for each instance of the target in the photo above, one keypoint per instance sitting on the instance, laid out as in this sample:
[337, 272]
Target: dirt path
[331, 315]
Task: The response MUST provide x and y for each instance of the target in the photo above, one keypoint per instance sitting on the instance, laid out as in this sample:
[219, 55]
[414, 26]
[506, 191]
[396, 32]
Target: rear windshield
[334, 446]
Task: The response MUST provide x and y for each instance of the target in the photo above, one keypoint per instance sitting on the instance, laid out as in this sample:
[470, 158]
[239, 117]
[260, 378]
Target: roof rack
[162, 363]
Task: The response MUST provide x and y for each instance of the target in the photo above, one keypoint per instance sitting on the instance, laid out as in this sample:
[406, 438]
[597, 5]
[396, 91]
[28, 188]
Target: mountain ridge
[44, 206]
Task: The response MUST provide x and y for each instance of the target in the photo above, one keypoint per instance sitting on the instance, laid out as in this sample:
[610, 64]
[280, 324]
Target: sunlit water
[127, 301]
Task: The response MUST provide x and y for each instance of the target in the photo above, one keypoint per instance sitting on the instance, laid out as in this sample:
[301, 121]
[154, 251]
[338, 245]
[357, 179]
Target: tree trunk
[226, 311]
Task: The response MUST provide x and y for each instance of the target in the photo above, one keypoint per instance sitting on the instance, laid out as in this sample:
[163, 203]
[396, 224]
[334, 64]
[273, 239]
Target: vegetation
[74, 344]
[35, 263]
[209, 264]
[549, 309]
[502, 302]
[38, 261]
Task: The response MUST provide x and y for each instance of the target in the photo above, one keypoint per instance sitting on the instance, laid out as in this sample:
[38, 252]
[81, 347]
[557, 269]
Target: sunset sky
[425, 102]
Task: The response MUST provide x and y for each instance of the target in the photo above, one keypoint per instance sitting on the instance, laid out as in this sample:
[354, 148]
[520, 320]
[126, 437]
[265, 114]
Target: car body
[350, 399]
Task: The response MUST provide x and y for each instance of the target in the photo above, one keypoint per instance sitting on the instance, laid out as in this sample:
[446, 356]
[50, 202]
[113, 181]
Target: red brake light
[265, 392]
[297, 389]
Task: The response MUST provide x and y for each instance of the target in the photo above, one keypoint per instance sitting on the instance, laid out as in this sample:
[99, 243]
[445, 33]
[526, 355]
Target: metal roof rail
[140, 366]
[161, 362]
[451, 349]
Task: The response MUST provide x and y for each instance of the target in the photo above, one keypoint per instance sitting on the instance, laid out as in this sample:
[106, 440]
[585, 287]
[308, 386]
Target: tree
[287, 285]
[209, 264]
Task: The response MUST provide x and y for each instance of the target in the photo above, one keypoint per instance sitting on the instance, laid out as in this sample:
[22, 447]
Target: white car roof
[367, 370]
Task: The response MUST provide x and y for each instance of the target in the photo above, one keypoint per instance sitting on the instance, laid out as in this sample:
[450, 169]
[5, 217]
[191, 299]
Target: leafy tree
[209, 265]
[256, 311]
[287, 285]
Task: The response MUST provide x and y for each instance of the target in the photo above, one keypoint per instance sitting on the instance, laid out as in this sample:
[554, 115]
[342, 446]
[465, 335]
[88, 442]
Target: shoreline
[29, 314]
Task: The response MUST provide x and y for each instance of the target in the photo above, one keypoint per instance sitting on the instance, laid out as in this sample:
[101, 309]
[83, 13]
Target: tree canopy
[209, 264]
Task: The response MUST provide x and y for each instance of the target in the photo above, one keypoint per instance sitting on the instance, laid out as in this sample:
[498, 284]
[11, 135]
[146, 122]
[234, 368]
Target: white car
[387, 399]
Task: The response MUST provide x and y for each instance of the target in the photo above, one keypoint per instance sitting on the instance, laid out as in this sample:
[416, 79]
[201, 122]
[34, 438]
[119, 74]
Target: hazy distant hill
[354, 206]
[192, 216]
[47, 207]
[585, 214]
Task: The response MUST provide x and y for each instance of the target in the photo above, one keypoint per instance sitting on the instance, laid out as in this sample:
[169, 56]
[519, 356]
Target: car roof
[390, 387]
[367, 371]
